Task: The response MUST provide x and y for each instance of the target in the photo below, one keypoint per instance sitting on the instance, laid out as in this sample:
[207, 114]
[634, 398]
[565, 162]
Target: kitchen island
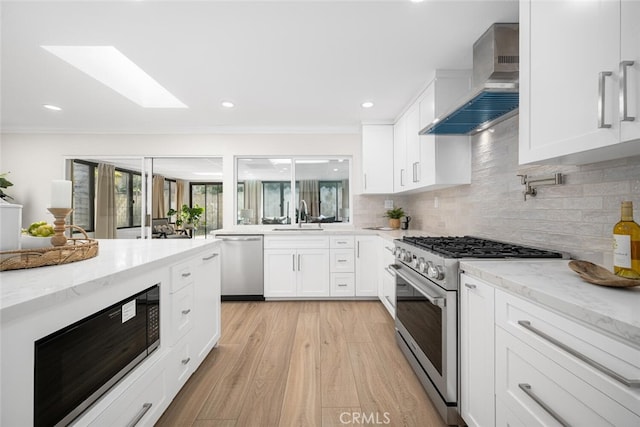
[37, 302]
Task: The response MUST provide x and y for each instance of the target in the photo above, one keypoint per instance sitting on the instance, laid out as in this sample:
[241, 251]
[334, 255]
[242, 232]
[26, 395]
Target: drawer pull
[601, 97]
[469, 286]
[187, 311]
[209, 257]
[185, 361]
[342, 260]
[627, 382]
[527, 389]
[389, 249]
[139, 415]
[186, 274]
[342, 285]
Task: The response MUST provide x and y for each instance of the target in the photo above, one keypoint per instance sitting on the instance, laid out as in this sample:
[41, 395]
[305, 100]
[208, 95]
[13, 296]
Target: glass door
[207, 195]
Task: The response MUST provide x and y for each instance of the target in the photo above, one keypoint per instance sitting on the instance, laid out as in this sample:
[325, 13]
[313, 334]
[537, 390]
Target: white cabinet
[523, 364]
[570, 80]
[207, 303]
[400, 156]
[296, 267]
[377, 159]
[431, 162]
[387, 281]
[476, 352]
[367, 258]
[342, 266]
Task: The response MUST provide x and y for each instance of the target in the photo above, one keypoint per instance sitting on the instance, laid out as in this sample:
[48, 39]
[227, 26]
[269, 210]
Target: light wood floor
[325, 363]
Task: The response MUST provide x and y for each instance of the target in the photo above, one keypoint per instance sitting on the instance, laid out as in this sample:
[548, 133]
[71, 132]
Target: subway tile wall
[577, 216]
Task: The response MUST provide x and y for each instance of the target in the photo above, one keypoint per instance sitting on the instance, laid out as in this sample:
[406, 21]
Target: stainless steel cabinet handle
[469, 286]
[527, 389]
[207, 258]
[402, 177]
[293, 262]
[299, 266]
[186, 274]
[342, 260]
[601, 97]
[416, 178]
[624, 92]
[187, 311]
[616, 376]
[185, 361]
[139, 415]
[388, 270]
[389, 249]
[358, 250]
[342, 285]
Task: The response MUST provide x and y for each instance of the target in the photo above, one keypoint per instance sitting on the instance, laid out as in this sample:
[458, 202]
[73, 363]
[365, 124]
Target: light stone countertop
[553, 284]
[37, 288]
[329, 230]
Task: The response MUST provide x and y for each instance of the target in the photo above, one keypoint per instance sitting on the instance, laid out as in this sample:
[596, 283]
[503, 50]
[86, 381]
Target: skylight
[110, 67]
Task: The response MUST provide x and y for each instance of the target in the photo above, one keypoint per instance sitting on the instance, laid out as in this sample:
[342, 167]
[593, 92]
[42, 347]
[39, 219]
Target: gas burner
[474, 247]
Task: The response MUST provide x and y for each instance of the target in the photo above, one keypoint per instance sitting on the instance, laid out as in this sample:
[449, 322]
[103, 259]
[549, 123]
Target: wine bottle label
[622, 250]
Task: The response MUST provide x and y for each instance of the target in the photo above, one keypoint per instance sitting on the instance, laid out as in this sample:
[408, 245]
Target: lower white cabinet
[367, 262]
[387, 280]
[523, 364]
[301, 269]
[476, 352]
[207, 303]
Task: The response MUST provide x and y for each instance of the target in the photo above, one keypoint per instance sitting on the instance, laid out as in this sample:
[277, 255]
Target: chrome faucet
[306, 212]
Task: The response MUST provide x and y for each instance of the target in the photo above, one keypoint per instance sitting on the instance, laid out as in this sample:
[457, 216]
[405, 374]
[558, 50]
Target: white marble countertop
[33, 288]
[328, 229]
[553, 284]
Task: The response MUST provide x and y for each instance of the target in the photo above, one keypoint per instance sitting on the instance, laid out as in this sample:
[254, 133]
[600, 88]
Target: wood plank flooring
[303, 363]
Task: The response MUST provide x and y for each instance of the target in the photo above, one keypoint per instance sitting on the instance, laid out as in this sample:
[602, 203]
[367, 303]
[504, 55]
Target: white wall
[33, 160]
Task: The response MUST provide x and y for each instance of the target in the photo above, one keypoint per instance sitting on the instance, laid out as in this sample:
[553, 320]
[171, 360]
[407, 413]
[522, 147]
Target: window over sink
[264, 190]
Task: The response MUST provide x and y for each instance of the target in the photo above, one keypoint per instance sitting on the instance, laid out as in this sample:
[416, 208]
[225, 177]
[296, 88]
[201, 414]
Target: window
[128, 192]
[208, 195]
[265, 194]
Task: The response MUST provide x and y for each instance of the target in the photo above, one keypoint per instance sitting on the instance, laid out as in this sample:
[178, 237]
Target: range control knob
[408, 256]
[435, 271]
[422, 265]
[414, 262]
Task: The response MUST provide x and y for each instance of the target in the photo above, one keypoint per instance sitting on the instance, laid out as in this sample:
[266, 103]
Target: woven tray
[76, 249]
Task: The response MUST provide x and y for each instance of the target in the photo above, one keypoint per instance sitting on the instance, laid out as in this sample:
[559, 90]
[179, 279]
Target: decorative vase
[394, 223]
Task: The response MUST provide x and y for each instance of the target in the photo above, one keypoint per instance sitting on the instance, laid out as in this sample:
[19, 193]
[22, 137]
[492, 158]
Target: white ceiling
[289, 66]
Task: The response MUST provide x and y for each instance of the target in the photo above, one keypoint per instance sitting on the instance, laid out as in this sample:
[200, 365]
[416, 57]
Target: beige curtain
[157, 198]
[252, 201]
[180, 193]
[310, 193]
[106, 226]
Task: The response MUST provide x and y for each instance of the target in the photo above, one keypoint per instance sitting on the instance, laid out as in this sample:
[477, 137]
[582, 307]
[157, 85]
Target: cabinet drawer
[342, 260]
[336, 242]
[343, 284]
[140, 405]
[297, 242]
[181, 313]
[181, 363]
[182, 274]
[579, 348]
[540, 391]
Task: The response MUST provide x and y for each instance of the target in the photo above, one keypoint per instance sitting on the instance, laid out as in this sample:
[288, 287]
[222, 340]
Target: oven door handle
[438, 301]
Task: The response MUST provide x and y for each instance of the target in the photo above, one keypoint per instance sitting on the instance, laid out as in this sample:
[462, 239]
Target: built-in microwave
[79, 363]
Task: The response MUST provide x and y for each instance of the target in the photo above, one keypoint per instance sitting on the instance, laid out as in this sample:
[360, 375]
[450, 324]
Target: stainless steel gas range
[427, 280]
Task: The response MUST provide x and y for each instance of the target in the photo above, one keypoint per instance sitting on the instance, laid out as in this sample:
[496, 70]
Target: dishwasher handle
[241, 239]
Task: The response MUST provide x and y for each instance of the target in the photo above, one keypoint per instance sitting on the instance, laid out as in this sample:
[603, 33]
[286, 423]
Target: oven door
[426, 318]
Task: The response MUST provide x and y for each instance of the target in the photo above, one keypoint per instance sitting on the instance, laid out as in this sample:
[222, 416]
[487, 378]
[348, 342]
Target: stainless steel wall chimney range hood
[494, 97]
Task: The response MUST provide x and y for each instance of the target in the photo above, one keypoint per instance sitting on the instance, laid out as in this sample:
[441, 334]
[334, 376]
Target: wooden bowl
[597, 275]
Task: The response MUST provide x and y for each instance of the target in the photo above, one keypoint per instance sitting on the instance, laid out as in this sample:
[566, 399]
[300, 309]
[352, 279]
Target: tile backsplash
[576, 217]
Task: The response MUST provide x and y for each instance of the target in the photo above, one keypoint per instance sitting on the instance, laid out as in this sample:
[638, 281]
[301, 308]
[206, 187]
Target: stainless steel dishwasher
[242, 267]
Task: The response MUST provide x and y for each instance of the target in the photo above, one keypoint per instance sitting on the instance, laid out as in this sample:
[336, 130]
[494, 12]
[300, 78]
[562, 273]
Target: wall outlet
[388, 204]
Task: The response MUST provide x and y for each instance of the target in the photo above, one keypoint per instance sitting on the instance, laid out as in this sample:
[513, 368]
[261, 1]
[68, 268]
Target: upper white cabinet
[579, 80]
[432, 162]
[377, 159]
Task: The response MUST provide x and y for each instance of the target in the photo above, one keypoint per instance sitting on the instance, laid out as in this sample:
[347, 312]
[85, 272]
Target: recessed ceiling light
[110, 67]
[367, 104]
[227, 104]
[52, 107]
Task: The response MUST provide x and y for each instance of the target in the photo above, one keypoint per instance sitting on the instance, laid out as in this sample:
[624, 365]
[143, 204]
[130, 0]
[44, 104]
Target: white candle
[61, 194]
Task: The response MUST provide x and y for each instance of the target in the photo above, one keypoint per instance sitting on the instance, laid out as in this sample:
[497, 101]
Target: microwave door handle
[438, 301]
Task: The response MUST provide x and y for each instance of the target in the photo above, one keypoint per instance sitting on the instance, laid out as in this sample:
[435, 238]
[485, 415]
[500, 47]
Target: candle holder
[60, 214]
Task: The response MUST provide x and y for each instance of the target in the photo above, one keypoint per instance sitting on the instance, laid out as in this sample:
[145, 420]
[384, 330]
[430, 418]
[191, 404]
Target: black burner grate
[474, 247]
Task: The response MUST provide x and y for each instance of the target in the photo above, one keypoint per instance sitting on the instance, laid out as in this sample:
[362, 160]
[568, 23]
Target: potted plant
[4, 183]
[394, 216]
[187, 217]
